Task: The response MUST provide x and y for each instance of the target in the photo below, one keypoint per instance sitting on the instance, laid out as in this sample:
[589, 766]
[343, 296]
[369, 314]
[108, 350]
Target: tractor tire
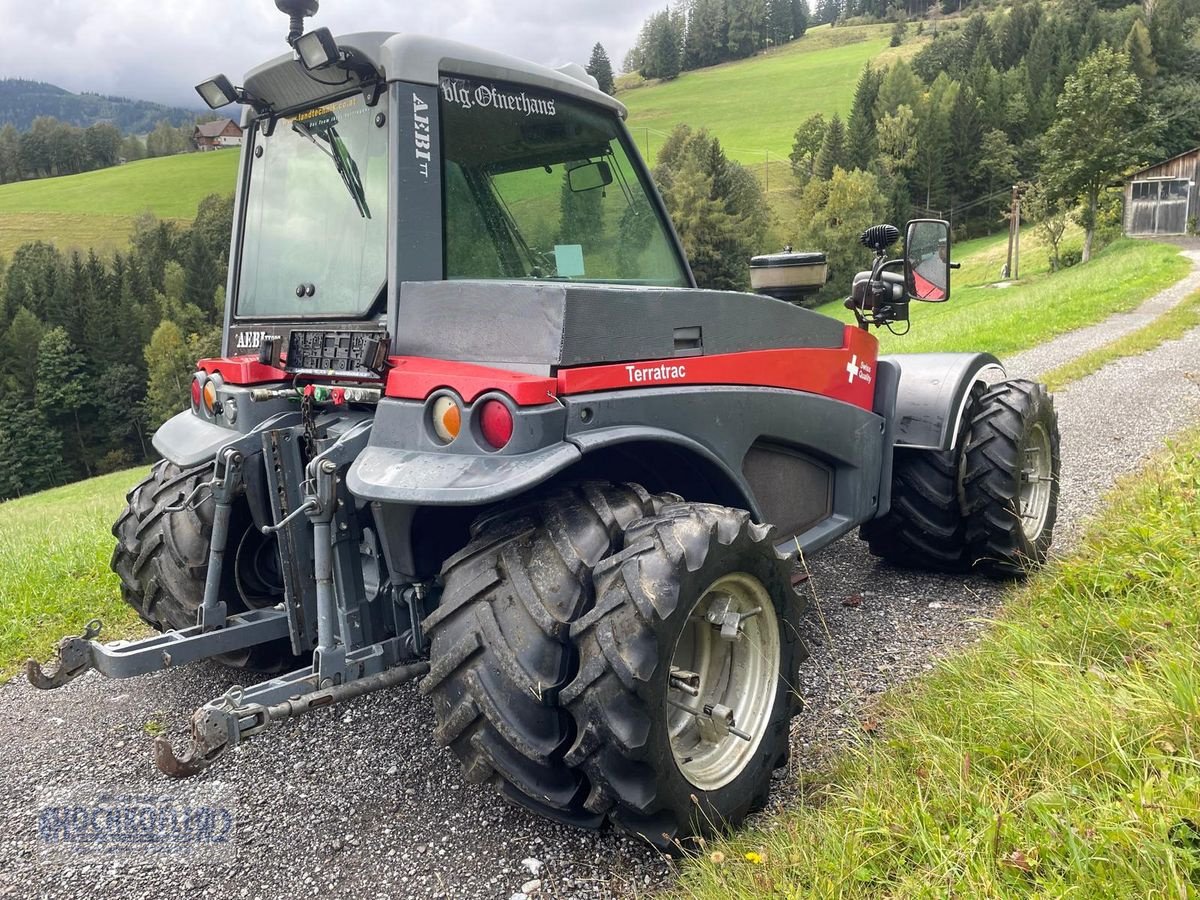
[654, 769]
[1011, 471]
[162, 560]
[500, 649]
[926, 527]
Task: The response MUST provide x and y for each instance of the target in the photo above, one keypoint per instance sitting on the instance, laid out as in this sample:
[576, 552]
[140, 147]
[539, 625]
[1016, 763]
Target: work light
[317, 49]
[218, 91]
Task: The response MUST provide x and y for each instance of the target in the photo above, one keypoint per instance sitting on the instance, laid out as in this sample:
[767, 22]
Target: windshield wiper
[346, 167]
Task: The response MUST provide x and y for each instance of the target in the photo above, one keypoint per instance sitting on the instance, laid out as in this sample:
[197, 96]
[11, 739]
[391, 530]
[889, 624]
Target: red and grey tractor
[475, 424]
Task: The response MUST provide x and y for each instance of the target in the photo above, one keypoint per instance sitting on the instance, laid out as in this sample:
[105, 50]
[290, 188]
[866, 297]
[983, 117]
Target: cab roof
[285, 84]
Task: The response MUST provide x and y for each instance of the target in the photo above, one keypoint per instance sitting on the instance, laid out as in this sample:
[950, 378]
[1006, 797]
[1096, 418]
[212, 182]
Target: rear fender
[933, 394]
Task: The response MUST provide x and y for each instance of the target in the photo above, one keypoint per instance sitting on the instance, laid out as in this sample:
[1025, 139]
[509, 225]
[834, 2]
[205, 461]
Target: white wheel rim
[714, 678]
[1036, 480]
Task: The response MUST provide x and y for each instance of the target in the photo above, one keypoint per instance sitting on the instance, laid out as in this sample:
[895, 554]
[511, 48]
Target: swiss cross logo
[856, 369]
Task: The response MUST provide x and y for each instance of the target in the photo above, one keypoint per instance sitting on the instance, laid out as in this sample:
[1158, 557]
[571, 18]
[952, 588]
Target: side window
[542, 185]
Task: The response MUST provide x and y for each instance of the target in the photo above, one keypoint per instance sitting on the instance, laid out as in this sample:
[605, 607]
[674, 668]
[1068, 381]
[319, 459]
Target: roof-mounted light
[317, 49]
[218, 91]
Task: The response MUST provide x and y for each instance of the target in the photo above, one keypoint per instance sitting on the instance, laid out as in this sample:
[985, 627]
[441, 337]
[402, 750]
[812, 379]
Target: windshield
[315, 238]
[542, 186]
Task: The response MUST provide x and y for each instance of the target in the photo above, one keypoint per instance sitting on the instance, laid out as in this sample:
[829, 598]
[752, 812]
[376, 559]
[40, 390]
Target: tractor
[475, 425]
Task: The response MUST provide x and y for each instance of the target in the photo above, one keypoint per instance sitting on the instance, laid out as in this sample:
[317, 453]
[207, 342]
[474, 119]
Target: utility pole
[1016, 269]
[1009, 272]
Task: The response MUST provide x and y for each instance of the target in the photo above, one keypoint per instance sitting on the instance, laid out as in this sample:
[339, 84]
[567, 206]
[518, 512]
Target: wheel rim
[256, 569]
[713, 679]
[1037, 478]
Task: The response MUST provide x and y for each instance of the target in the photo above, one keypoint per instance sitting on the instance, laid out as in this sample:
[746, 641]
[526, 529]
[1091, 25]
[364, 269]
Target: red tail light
[196, 396]
[496, 423]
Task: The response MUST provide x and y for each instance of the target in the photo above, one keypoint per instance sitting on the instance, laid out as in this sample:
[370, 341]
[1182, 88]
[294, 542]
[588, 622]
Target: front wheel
[687, 670]
[1011, 478]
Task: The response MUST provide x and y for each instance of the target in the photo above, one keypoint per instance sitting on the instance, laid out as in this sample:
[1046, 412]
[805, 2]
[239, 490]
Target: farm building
[215, 135]
[1161, 199]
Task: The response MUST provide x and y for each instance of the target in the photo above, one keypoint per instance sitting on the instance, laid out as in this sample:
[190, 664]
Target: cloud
[158, 50]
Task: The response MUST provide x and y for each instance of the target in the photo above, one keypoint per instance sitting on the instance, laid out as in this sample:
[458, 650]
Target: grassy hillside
[54, 553]
[97, 209]
[755, 105]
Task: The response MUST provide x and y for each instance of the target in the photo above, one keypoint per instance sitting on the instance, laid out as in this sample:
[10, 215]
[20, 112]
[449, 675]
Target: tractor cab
[377, 159]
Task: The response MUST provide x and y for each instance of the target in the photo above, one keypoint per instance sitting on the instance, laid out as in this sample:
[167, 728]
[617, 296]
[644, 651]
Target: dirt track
[361, 803]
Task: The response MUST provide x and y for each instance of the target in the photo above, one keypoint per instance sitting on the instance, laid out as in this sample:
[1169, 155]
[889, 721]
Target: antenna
[297, 11]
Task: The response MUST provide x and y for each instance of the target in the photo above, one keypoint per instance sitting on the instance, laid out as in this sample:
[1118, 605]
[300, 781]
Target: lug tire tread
[618, 641]
[993, 458]
[500, 645]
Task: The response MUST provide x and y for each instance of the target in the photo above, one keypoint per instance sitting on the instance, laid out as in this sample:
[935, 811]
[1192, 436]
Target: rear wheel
[687, 667]
[500, 650]
[161, 558]
[1011, 478]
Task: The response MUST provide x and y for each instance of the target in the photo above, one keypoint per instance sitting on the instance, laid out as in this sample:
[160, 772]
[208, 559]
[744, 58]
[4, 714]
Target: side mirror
[588, 176]
[927, 260]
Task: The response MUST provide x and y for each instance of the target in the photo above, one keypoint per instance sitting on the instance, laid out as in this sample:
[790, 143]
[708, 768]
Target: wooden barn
[1162, 199]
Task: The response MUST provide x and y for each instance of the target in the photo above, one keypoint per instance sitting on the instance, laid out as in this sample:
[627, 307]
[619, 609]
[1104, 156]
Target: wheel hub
[1037, 477]
[722, 684]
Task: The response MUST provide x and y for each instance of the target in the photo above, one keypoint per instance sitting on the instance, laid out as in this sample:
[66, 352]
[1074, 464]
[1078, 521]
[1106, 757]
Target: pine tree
[60, 394]
[860, 126]
[200, 274]
[30, 450]
[800, 17]
[832, 154]
[933, 148]
[18, 362]
[662, 46]
[900, 86]
[716, 205]
[781, 21]
[965, 128]
[1141, 54]
[600, 68]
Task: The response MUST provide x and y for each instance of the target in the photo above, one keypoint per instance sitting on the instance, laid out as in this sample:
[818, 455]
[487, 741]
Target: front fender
[933, 393]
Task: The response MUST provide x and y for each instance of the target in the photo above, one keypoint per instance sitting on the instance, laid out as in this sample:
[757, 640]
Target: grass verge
[1168, 326]
[1036, 309]
[1061, 757]
[54, 577]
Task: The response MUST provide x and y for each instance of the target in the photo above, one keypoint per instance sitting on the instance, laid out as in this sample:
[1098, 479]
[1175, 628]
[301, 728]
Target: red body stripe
[415, 378]
[242, 370]
[846, 373]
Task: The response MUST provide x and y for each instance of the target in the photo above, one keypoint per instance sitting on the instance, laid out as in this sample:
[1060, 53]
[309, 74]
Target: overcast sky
[158, 49]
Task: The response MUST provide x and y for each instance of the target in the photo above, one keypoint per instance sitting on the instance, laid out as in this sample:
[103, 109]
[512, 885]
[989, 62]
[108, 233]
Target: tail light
[445, 418]
[209, 396]
[496, 423]
[197, 391]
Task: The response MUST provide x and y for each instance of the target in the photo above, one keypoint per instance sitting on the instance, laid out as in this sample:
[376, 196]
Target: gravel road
[359, 802]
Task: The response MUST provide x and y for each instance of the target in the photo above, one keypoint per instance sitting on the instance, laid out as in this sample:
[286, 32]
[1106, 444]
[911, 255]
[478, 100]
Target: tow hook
[72, 657]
